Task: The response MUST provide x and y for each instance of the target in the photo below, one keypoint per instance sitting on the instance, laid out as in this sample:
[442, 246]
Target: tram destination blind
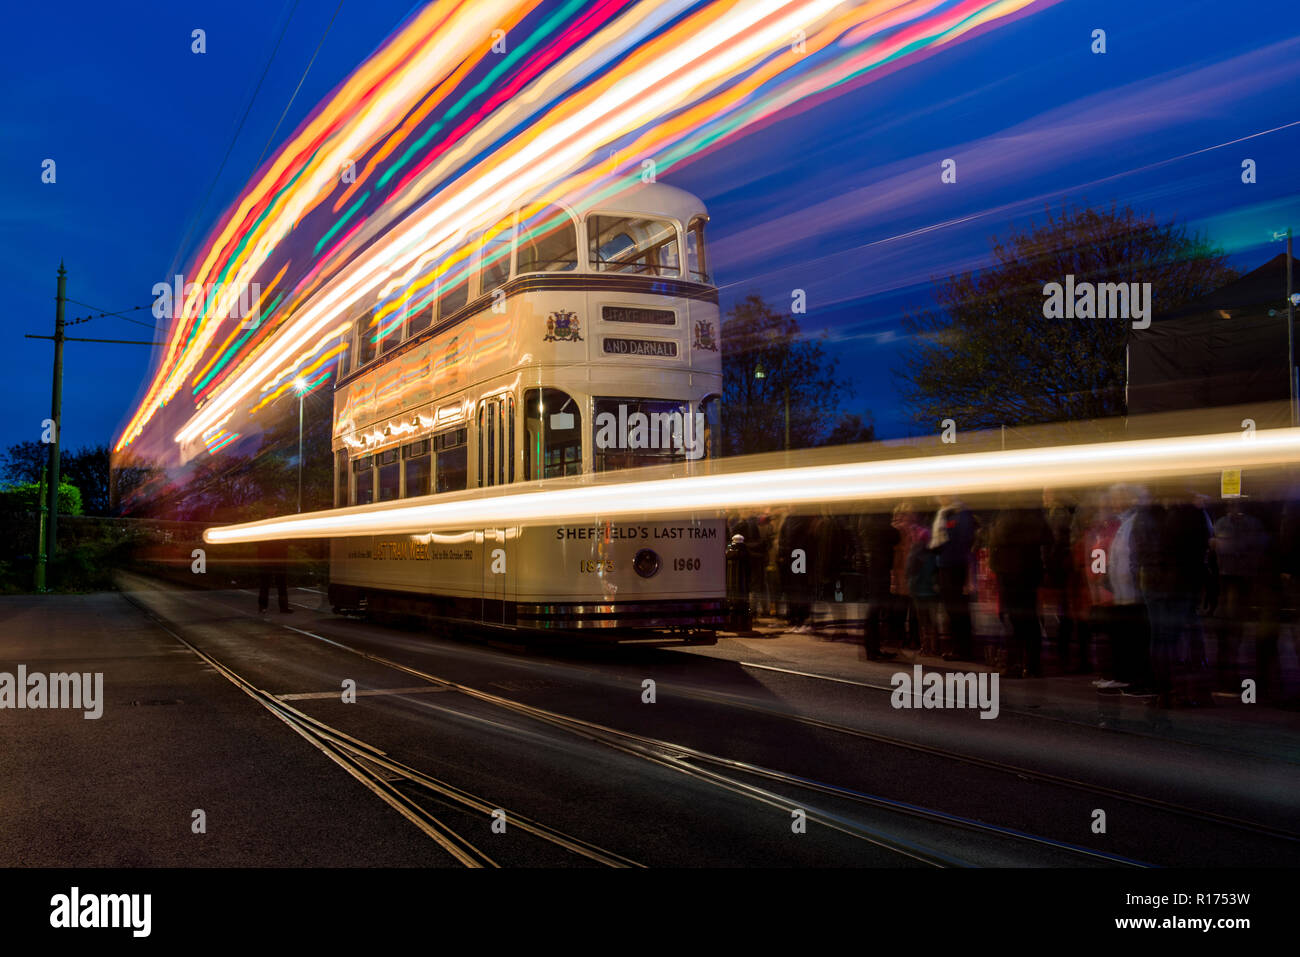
[640, 347]
[652, 317]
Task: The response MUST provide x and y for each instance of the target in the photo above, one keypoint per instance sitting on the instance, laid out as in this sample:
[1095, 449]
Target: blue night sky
[842, 199]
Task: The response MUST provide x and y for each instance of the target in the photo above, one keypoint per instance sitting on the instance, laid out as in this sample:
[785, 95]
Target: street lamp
[300, 386]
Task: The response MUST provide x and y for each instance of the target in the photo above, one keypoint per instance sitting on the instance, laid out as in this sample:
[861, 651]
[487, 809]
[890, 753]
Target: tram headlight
[646, 563]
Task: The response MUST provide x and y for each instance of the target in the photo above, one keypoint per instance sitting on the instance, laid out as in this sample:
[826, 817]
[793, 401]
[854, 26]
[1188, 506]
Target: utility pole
[56, 415]
[47, 534]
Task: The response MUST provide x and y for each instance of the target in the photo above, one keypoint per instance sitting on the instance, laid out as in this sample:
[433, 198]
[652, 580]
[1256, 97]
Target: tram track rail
[381, 774]
[1018, 771]
[736, 777]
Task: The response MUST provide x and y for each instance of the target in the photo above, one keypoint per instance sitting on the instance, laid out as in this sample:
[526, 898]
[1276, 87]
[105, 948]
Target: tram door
[496, 466]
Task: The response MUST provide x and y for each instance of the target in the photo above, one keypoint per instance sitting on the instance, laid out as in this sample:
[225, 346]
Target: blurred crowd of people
[1172, 595]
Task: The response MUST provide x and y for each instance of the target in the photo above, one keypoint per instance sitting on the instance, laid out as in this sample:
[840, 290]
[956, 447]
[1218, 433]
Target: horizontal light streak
[738, 487]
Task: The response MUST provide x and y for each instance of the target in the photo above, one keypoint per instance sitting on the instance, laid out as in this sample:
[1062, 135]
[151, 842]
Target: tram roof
[651, 199]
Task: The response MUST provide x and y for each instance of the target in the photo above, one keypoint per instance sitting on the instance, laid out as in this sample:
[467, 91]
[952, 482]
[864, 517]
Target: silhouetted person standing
[1018, 543]
[1242, 546]
[879, 539]
[951, 538]
[273, 560]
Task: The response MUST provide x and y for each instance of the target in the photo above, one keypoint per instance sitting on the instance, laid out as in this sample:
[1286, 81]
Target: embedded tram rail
[885, 822]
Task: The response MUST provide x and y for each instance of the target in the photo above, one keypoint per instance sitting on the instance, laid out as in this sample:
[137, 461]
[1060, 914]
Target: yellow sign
[1230, 483]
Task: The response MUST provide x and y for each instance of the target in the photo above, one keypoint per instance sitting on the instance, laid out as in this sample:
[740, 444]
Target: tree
[764, 355]
[23, 461]
[26, 497]
[89, 469]
[850, 429]
[988, 356]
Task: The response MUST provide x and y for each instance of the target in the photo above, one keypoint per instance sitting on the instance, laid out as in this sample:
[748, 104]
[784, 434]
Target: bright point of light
[300, 384]
[845, 482]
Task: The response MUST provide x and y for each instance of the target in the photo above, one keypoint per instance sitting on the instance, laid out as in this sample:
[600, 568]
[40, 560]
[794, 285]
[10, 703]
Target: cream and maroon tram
[553, 342]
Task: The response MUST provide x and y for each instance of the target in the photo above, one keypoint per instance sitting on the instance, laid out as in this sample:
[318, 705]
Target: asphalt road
[455, 750]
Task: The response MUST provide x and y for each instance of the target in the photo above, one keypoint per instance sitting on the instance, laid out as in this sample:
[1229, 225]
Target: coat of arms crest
[563, 326]
[704, 338]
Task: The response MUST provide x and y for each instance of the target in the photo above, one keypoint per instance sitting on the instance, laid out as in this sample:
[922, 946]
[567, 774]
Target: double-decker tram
[552, 343]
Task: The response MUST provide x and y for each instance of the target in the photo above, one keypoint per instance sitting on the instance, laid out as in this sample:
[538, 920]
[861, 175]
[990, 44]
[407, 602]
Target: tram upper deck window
[364, 490]
[453, 287]
[345, 357]
[553, 434]
[365, 340]
[697, 264]
[630, 433]
[422, 317]
[548, 241]
[494, 257]
[388, 325]
[452, 452]
[390, 475]
[417, 464]
[637, 245]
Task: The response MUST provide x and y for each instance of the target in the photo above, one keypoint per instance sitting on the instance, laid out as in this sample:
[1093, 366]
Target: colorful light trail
[440, 131]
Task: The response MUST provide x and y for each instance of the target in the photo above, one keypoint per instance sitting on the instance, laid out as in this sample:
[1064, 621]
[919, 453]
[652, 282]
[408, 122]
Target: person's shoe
[261, 611]
[881, 656]
[1138, 693]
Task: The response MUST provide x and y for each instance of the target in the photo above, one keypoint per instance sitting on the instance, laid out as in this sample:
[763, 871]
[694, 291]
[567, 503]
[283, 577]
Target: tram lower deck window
[553, 434]
[630, 433]
[364, 489]
[390, 476]
[340, 479]
[452, 453]
[417, 465]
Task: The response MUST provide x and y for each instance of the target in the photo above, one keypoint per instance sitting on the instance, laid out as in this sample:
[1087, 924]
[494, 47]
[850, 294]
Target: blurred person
[761, 556]
[879, 539]
[1129, 627]
[1060, 578]
[952, 536]
[922, 583]
[1093, 548]
[1173, 567]
[772, 578]
[797, 552]
[752, 529]
[837, 548]
[272, 561]
[906, 624]
[1017, 543]
[1241, 546]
